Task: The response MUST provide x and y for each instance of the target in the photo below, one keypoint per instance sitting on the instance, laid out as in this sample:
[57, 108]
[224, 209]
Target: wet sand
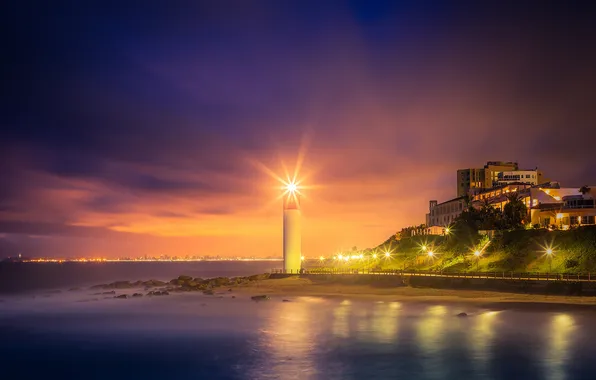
[294, 287]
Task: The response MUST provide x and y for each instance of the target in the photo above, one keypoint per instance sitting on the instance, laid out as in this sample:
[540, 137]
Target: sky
[150, 127]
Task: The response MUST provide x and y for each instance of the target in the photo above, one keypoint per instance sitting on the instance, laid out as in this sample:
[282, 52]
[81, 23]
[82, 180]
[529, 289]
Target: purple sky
[129, 130]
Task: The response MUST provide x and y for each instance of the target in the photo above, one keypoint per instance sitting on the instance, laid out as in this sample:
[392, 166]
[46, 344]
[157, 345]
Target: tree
[515, 212]
[584, 190]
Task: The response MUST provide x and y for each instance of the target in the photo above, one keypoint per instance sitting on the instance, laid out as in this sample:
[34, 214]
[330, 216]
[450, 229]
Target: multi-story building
[443, 214]
[531, 177]
[482, 178]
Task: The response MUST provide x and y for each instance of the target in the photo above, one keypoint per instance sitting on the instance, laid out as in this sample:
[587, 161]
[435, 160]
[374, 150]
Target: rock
[233, 296]
[110, 292]
[256, 277]
[198, 280]
[154, 283]
[260, 298]
[185, 278]
[208, 292]
[100, 286]
[137, 295]
[120, 285]
[158, 293]
[137, 283]
[229, 290]
[122, 296]
[286, 301]
[462, 315]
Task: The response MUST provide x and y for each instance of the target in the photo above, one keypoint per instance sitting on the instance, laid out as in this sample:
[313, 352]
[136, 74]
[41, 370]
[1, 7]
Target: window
[527, 176]
[589, 219]
[573, 220]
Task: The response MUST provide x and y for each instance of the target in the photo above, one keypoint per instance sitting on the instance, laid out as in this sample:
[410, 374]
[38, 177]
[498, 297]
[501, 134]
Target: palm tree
[584, 190]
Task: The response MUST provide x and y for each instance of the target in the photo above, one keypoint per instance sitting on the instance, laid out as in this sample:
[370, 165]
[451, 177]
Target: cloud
[148, 125]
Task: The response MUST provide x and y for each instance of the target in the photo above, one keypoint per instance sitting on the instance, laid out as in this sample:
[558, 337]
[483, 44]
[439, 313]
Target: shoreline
[300, 287]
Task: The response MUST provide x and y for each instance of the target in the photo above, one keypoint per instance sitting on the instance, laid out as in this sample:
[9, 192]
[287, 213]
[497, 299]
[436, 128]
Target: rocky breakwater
[180, 284]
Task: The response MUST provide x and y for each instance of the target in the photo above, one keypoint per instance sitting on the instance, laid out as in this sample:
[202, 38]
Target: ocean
[76, 335]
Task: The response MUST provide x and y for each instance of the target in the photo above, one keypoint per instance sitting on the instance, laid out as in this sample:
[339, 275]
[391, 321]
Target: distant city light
[374, 255]
[361, 256]
[321, 258]
[340, 256]
[301, 258]
[387, 254]
[431, 253]
[424, 248]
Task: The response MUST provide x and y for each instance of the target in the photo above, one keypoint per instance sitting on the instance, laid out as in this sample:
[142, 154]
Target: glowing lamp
[291, 187]
[387, 254]
[477, 253]
[549, 251]
[431, 253]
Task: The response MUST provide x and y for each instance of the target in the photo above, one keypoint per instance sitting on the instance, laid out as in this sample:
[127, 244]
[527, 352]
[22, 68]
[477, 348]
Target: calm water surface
[77, 335]
[191, 336]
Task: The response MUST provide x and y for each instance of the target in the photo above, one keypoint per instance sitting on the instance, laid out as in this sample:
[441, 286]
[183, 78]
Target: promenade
[528, 276]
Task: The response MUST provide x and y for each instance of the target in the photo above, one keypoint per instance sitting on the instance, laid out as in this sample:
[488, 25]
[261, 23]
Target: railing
[577, 277]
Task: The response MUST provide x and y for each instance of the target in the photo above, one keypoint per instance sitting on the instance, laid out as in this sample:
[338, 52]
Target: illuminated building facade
[443, 214]
[482, 178]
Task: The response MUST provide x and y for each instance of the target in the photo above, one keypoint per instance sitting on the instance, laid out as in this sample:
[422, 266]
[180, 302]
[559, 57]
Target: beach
[296, 286]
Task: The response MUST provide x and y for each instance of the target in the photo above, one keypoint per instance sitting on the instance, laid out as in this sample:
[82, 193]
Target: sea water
[79, 335]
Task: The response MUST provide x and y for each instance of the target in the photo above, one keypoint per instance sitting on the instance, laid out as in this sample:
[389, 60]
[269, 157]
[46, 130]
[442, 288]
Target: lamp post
[549, 252]
[477, 254]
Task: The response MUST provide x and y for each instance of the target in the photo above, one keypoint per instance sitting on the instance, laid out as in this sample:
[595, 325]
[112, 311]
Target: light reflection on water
[310, 338]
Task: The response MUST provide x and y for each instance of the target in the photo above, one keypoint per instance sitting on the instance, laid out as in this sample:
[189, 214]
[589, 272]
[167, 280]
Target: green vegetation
[515, 250]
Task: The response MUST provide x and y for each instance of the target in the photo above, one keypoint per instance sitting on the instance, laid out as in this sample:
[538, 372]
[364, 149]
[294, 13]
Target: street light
[387, 254]
[477, 254]
[549, 252]
[374, 255]
[431, 253]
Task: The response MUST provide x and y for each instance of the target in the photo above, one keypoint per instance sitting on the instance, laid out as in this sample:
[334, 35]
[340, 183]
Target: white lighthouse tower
[292, 231]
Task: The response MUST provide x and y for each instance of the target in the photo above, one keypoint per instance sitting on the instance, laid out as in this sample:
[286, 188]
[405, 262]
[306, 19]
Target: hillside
[572, 251]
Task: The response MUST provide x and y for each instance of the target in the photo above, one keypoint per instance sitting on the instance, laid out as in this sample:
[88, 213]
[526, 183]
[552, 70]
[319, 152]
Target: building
[482, 178]
[571, 211]
[549, 205]
[443, 214]
[530, 177]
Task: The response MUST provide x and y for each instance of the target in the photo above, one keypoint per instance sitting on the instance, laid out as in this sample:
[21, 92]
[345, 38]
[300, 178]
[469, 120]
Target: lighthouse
[292, 237]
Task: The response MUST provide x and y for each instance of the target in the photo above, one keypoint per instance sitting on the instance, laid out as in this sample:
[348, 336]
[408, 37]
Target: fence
[577, 277]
